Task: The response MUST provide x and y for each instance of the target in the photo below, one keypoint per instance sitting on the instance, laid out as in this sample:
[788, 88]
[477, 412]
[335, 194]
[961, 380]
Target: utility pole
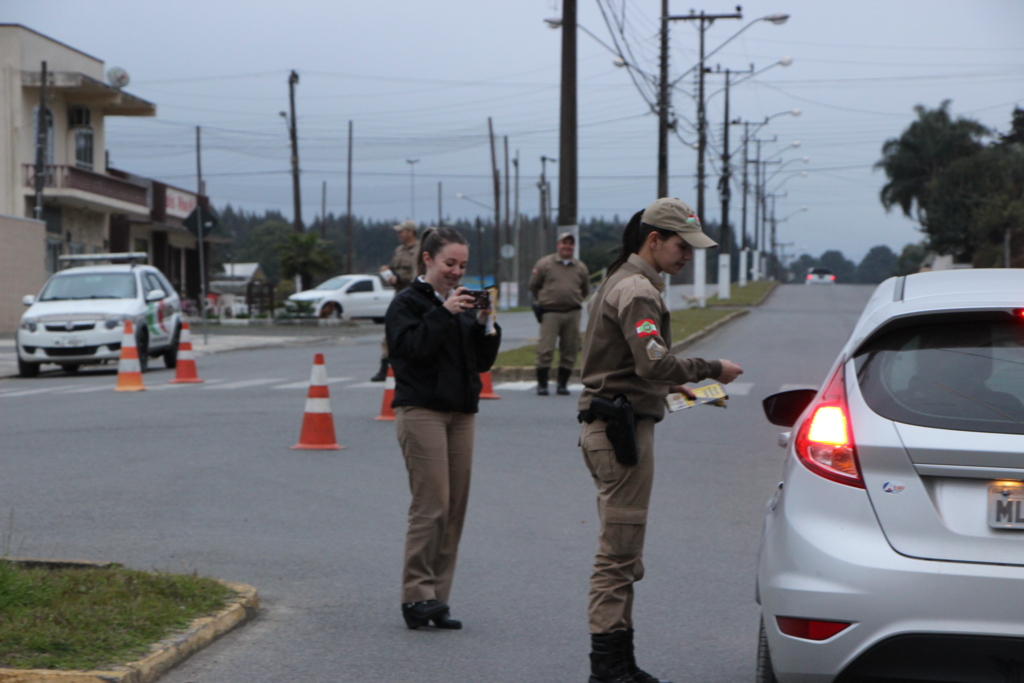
[323, 212]
[200, 241]
[725, 192]
[348, 203]
[515, 235]
[42, 135]
[545, 201]
[412, 187]
[567, 177]
[746, 191]
[506, 264]
[497, 204]
[663, 106]
[293, 79]
[756, 266]
[440, 208]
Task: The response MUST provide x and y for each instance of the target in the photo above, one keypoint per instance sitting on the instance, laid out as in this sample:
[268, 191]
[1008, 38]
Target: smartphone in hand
[481, 298]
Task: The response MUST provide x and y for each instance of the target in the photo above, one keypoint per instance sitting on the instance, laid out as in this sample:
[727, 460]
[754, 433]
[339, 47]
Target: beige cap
[668, 213]
[563, 235]
[406, 225]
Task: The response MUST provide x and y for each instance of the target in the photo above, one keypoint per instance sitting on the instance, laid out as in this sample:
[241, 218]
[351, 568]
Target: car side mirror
[28, 299]
[156, 295]
[785, 408]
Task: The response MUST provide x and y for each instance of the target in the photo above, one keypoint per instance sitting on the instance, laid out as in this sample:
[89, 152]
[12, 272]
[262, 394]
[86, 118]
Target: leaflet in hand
[713, 394]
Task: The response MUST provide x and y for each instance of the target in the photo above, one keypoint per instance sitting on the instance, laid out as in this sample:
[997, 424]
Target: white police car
[78, 317]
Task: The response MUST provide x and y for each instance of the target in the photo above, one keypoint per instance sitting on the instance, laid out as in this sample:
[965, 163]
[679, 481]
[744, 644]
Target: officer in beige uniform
[559, 284]
[628, 370]
[399, 274]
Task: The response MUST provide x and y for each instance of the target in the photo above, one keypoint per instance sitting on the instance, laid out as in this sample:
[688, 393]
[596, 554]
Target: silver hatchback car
[893, 549]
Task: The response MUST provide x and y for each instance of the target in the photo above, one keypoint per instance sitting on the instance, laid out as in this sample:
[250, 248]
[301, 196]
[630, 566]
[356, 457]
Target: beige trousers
[561, 327]
[438, 451]
[623, 494]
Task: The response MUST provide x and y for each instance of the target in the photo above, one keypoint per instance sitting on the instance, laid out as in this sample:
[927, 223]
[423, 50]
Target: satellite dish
[117, 77]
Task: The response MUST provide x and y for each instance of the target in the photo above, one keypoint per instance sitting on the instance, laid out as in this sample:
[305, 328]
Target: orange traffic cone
[129, 373]
[185, 373]
[487, 390]
[318, 421]
[387, 413]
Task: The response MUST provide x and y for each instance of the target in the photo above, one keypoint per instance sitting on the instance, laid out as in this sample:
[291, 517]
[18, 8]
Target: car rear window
[821, 271]
[964, 374]
[89, 286]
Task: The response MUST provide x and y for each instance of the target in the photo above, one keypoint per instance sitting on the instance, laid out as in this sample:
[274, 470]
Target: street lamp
[412, 186]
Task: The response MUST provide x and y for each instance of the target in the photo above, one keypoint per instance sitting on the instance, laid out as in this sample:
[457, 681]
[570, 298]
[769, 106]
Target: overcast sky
[419, 80]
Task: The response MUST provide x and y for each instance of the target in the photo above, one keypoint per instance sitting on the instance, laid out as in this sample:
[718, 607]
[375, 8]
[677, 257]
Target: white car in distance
[78, 317]
[348, 297]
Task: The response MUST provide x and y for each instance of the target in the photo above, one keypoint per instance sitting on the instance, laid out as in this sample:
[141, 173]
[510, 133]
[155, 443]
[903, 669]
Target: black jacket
[437, 356]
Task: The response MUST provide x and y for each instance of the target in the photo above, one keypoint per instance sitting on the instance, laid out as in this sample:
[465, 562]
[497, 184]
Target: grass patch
[747, 295]
[684, 323]
[94, 617]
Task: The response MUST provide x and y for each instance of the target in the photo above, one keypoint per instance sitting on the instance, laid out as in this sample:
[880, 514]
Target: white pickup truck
[348, 297]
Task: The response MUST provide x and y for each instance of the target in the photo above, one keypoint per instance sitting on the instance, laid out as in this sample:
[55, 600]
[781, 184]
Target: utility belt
[539, 312]
[620, 427]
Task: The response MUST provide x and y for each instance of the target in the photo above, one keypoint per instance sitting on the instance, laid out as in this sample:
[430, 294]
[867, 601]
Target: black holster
[621, 426]
[538, 312]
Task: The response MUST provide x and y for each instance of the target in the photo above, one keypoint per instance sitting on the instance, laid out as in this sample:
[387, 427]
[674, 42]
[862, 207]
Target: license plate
[1006, 506]
[70, 342]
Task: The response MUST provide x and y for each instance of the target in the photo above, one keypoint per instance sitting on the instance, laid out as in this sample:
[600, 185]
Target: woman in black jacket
[438, 345]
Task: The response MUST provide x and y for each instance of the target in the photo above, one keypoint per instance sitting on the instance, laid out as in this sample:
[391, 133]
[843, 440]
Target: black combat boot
[542, 381]
[609, 660]
[382, 374]
[563, 381]
[639, 675]
[421, 613]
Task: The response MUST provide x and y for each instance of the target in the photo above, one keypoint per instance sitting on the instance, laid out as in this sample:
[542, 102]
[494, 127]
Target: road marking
[86, 390]
[366, 385]
[791, 387]
[305, 383]
[527, 385]
[29, 392]
[246, 383]
[739, 388]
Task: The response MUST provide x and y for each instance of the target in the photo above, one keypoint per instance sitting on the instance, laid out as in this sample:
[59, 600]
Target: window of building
[53, 246]
[83, 148]
[79, 116]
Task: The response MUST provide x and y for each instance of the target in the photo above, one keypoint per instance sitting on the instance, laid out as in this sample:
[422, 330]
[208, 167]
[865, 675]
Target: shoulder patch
[646, 328]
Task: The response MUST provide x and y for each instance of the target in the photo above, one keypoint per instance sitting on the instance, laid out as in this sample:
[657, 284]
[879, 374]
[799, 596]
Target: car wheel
[142, 346]
[765, 672]
[171, 354]
[71, 368]
[331, 309]
[27, 369]
[379, 321]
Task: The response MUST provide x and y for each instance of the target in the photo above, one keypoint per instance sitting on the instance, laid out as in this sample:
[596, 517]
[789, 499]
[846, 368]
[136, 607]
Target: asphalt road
[201, 478]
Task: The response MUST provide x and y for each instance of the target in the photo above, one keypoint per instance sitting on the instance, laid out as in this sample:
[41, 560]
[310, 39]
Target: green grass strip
[747, 295]
[684, 323]
[91, 618]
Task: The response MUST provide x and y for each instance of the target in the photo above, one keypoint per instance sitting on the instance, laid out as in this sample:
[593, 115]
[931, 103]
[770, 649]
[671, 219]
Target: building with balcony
[87, 207]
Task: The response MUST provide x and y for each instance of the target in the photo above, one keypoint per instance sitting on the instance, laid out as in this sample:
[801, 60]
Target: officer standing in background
[628, 369]
[399, 274]
[559, 285]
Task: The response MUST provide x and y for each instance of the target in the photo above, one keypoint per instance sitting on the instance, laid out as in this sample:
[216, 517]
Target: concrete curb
[164, 655]
[767, 294]
[520, 374]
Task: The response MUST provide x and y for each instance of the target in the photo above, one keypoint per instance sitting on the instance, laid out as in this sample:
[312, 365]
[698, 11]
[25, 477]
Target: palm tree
[305, 255]
[914, 160]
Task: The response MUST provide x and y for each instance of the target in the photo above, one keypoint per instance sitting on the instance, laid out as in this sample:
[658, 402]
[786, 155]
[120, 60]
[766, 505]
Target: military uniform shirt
[557, 286]
[403, 265]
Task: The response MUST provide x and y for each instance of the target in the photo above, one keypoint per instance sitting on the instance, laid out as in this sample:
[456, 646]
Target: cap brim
[698, 240]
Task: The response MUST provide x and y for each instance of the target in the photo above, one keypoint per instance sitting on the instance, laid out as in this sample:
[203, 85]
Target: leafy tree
[801, 265]
[261, 246]
[844, 269]
[878, 264]
[304, 255]
[910, 258]
[914, 160]
[1016, 134]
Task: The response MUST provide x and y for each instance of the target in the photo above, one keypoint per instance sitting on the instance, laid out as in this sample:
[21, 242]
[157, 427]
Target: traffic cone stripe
[129, 372]
[318, 421]
[185, 372]
[389, 381]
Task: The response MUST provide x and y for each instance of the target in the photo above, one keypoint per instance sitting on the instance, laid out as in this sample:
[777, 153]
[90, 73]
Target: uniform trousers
[623, 495]
[438, 451]
[384, 348]
[563, 327]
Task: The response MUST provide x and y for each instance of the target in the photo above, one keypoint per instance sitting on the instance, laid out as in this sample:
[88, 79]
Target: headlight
[30, 324]
[112, 322]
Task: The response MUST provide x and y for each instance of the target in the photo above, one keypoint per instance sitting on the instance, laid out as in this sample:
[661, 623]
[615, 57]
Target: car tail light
[824, 442]
[832, 277]
[809, 276]
[810, 629]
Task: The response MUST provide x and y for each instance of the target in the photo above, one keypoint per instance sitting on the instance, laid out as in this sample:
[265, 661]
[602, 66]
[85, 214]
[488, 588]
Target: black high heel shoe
[444, 620]
[421, 613]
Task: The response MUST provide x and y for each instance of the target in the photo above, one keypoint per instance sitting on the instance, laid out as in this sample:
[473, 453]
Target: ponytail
[432, 242]
[633, 238]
